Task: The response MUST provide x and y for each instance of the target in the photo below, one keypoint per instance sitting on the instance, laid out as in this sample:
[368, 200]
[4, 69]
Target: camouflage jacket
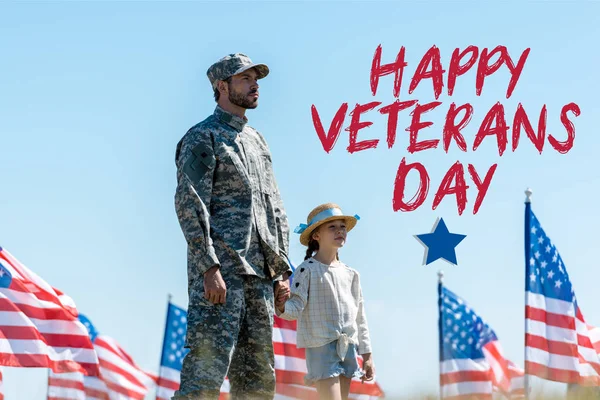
[225, 180]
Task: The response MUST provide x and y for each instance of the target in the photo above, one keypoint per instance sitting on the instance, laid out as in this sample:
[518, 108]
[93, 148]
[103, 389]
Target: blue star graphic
[440, 243]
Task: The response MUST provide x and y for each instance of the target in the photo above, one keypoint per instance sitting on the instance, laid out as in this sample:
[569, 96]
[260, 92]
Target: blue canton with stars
[92, 331]
[546, 273]
[173, 347]
[5, 275]
[463, 332]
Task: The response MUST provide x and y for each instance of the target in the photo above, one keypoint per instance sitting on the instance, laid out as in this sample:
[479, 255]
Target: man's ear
[222, 87]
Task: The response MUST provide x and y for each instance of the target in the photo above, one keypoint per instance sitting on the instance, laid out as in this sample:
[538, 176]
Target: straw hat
[320, 215]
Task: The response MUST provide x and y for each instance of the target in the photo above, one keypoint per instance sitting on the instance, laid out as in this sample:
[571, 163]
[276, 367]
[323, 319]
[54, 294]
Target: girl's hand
[282, 290]
[281, 299]
[280, 305]
[368, 368]
[283, 295]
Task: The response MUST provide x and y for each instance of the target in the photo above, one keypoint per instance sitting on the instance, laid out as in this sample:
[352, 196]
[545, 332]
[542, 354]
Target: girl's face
[331, 234]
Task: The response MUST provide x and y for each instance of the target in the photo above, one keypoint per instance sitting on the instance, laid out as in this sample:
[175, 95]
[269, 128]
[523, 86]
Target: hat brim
[350, 224]
[261, 70]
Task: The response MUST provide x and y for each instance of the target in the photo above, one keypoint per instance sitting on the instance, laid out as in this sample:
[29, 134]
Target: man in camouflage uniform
[232, 216]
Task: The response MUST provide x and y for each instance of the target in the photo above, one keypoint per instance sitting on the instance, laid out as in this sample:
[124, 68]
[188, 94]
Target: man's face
[243, 89]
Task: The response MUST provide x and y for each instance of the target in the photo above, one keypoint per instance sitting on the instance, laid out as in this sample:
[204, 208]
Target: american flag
[172, 352]
[39, 325]
[560, 345]
[120, 377]
[290, 363]
[472, 364]
[1, 386]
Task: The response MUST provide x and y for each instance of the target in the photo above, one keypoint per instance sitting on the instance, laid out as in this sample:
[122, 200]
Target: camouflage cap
[234, 64]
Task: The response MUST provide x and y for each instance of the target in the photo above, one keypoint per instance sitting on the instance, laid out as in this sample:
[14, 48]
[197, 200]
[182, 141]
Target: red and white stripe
[507, 377]
[123, 377]
[560, 345]
[168, 383]
[466, 378]
[120, 377]
[76, 386]
[517, 381]
[480, 378]
[290, 368]
[95, 388]
[39, 325]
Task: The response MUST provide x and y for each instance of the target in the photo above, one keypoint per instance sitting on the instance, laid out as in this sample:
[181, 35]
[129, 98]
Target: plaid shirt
[328, 304]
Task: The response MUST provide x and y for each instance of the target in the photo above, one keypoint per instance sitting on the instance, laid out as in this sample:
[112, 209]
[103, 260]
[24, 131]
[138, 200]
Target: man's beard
[241, 100]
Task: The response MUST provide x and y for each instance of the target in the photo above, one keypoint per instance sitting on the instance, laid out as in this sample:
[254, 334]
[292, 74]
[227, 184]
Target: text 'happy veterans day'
[493, 124]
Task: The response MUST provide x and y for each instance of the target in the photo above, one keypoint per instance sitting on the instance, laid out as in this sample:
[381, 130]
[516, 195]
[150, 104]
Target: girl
[326, 298]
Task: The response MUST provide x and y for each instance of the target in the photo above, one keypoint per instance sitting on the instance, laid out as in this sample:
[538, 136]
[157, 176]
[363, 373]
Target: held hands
[282, 293]
[215, 289]
[214, 286]
[368, 368]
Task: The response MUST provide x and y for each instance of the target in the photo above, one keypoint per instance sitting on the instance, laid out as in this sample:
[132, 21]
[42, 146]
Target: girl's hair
[313, 246]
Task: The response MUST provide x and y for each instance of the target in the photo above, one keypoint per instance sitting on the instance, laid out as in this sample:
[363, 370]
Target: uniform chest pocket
[267, 178]
[261, 170]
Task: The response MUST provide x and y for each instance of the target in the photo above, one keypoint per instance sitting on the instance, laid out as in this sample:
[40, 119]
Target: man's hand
[368, 368]
[214, 286]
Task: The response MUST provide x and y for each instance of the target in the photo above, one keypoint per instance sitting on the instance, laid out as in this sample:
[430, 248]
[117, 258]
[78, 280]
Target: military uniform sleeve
[364, 340]
[299, 295]
[195, 161]
[282, 222]
[281, 219]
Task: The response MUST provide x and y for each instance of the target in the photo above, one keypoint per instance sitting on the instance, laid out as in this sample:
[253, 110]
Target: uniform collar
[228, 118]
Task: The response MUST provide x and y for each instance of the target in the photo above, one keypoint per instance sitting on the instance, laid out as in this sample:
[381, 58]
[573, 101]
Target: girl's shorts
[324, 362]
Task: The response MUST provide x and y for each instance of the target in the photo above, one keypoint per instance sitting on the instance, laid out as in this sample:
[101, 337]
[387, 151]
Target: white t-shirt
[327, 302]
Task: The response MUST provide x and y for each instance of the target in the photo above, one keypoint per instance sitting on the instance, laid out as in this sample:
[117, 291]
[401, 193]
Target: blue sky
[95, 96]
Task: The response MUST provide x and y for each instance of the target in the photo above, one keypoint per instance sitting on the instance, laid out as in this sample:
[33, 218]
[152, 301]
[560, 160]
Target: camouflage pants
[234, 339]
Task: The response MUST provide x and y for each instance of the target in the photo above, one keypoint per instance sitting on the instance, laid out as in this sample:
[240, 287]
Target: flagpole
[162, 351]
[440, 327]
[528, 193]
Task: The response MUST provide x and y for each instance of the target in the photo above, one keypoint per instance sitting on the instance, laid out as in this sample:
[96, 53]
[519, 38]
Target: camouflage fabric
[231, 214]
[234, 64]
[236, 335]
